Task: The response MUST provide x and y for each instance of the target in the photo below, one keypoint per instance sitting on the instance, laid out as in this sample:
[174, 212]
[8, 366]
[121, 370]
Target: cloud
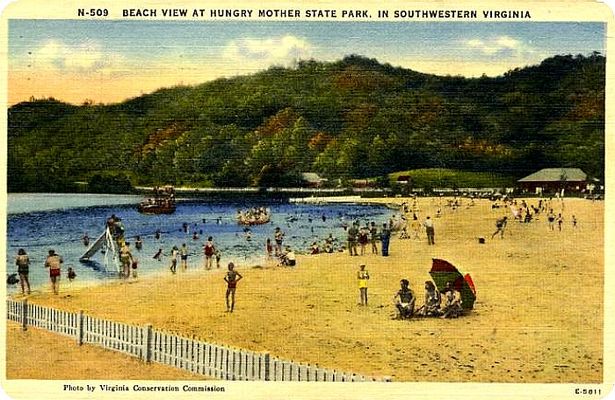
[262, 53]
[82, 58]
[499, 46]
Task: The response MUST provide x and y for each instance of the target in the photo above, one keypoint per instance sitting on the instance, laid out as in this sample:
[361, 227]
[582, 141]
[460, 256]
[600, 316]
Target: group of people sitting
[433, 307]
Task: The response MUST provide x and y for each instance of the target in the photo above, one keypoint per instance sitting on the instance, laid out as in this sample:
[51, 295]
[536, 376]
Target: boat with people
[254, 216]
[163, 202]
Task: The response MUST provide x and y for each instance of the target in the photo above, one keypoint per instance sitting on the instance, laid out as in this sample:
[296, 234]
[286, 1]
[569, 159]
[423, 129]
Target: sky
[110, 61]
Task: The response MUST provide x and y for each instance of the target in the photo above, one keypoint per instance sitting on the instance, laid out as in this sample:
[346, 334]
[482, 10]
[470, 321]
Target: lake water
[39, 222]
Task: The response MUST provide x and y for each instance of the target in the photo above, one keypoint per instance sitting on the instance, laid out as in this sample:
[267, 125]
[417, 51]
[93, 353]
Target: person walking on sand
[385, 238]
[23, 269]
[500, 226]
[429, 230]
[209, 250]
[54, 263]
[231, 278]
[560, 221]
[183, 253]
[574, 221]
[363, 277]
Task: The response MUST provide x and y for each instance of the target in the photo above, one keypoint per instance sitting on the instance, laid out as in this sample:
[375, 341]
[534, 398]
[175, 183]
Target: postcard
[307, 199]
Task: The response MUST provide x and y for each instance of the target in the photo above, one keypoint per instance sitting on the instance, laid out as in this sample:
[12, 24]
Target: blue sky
[109, 61]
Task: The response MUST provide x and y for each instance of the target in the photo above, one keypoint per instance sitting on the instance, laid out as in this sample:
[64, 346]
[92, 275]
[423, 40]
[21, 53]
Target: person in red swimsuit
[54, 263]
[231, 278]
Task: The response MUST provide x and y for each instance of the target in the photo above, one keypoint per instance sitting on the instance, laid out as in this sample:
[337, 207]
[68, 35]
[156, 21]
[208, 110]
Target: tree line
[353, 118]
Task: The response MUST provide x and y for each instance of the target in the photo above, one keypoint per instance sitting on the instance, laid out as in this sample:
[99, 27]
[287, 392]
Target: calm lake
[39, 222]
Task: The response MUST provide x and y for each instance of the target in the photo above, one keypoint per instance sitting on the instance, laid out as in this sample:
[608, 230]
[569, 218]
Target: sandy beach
[538, 315]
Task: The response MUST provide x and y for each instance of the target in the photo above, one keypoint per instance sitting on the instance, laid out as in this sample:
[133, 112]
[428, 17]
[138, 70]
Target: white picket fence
[145, 343]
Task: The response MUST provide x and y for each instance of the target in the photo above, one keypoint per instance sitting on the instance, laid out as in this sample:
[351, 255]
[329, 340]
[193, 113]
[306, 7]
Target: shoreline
[310, 314]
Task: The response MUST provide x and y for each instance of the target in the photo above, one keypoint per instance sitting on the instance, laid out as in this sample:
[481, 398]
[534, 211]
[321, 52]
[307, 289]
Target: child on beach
[363, 277]
[71, 274]
[231, 278]
[135, 265]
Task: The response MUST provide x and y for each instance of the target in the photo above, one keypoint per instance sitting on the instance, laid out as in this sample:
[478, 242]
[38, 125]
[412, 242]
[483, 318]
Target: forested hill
[352, 118]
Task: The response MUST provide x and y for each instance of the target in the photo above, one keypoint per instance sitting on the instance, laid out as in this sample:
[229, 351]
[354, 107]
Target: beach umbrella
[442, 271]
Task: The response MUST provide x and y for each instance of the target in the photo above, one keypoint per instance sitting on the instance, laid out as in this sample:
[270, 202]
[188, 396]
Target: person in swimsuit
[404, 300]
[231, 278]
[363, 277]
[184, 256]
[54, 263]
[209, 249]
[23, 269]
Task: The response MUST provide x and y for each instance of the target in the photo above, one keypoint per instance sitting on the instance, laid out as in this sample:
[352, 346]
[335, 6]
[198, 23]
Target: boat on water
[254, 216]
[163, 202]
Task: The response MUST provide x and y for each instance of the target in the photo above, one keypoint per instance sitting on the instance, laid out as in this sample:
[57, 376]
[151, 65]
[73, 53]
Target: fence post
[147, 343]
[267, 363]
[24, 314]
[80, 327]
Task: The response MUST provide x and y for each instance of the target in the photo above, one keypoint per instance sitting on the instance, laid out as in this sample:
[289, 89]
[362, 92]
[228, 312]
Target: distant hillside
[352, 118]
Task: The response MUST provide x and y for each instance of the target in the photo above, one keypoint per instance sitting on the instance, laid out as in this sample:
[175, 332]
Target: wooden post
[267, 366]
[80, 327]
[147, 343]
[24, 314]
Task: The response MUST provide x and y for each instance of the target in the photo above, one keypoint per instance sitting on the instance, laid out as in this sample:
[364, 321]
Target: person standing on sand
[353, 232]
[560, 221]
[429, 230]
[385, 237]
[363, 277]
[23, 269]
[373, 237]
[551, 219]
[231, 278]
[54, 263]
[415, 225]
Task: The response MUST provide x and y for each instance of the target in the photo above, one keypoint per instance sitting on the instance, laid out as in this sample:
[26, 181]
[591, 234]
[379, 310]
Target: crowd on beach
[364, 238]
